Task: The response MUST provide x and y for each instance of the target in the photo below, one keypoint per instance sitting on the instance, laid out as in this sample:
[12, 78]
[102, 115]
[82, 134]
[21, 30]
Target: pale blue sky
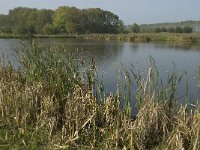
[130, 11]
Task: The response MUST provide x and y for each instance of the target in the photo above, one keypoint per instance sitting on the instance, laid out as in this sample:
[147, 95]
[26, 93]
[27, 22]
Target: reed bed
[5, 36]
[50, 104]
[147, 37]
[131, 37]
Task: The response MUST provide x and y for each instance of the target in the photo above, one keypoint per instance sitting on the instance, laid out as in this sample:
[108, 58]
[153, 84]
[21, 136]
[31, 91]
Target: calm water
[110, 55]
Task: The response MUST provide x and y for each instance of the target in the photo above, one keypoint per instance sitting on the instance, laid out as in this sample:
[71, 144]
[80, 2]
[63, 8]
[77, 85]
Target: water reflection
[179, 46]
[8, 53]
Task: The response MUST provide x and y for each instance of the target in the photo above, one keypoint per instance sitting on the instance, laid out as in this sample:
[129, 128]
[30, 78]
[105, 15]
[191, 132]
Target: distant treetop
[64, 20]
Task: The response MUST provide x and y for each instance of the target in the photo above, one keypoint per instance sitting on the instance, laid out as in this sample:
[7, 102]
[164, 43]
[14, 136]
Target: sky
[130, 11]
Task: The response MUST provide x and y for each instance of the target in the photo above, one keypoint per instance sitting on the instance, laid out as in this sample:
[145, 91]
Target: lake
[110, 55]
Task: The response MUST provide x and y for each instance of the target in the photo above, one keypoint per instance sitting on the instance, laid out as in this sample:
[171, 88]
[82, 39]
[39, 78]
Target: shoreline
[147, 37]
[134, 37]
[36, 36]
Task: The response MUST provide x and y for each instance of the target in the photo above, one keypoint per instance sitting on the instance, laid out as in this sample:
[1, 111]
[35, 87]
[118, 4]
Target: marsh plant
[50, 104]
[147, 37]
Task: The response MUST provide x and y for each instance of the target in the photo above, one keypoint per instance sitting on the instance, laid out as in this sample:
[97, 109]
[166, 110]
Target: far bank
[134, 37]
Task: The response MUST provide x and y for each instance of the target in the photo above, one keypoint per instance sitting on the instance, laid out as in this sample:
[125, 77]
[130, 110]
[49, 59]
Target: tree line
[135, 28]
[174, 30]
[64, 20]
[71, 20]
[195, 25]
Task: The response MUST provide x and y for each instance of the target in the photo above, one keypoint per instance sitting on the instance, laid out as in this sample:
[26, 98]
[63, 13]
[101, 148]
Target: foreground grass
[50, 105]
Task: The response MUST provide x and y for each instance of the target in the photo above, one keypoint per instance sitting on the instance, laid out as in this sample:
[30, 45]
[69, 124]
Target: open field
[50, 104]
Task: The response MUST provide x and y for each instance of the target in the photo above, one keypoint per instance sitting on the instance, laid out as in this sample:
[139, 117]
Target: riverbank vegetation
[132, 37]
[147, 37]
[50, 103]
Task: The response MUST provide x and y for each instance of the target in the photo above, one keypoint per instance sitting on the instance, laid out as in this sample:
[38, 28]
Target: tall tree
[43, 20]
[100, 21]
[23, 20]
[135, 28]
[178, 29]
[5, 26]
[187, 29]
[67, 19]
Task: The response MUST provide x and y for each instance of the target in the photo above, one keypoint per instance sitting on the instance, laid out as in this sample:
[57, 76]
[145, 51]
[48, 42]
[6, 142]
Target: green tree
[157, 30]
[135, 28]
[171, 30]
[95, 20]
[5, 26]
[67, 20]
[59, 20]
[43, 20]
[100, 21]
[178, 29]
[111, 23]
[187, 29]
[23, 20]
[163, 29]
